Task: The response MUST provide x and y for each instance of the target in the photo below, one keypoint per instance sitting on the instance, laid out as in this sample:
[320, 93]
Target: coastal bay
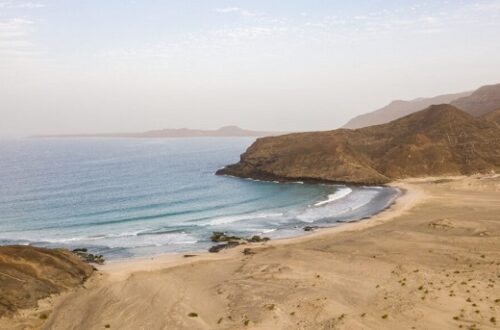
[430, 261]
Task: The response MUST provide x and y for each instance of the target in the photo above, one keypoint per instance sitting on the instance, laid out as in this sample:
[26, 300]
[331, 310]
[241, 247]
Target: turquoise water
[137, 197]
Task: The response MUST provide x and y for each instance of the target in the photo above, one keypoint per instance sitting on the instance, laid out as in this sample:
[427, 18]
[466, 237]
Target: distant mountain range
[476, 103]
[226, 131]
[440, 140]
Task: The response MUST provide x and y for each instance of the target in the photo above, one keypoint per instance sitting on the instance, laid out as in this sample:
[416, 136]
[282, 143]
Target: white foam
[93, 238]
[241, 217]
[339, 194]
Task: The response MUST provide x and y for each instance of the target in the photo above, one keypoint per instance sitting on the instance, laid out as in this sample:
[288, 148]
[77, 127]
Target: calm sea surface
[137, 197]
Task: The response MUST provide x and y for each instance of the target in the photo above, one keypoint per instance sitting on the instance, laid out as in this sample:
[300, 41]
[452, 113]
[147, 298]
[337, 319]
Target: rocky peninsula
[440, 140]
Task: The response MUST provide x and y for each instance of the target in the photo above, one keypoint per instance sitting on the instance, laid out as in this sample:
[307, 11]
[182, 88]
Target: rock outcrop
[440, 140]
[28, 274]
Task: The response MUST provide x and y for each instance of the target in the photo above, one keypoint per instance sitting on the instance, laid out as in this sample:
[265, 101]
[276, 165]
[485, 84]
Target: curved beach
[428, 262]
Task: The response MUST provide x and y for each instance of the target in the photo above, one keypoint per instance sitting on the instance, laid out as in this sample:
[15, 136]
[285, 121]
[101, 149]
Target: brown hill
[441, 140]
[484, 100]
[398, 109]
[28, 274]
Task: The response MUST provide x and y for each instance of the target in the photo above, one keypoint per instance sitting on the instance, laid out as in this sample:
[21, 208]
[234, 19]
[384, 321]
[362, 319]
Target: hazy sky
[121, 65]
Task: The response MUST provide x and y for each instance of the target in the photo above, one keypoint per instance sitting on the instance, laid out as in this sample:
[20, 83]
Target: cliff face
[28, 274]
[440, 140]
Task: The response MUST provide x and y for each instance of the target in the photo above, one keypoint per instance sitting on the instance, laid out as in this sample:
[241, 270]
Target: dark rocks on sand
[248, 251]
[310, 228]
[220, 247]
[258, 239]
[84, 255]
[232, 241]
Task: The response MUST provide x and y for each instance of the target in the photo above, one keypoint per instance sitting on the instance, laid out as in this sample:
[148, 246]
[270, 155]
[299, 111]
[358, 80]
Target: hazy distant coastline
[226, 131]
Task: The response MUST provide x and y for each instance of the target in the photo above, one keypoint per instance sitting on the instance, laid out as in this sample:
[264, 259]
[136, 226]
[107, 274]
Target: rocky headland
[440, 140]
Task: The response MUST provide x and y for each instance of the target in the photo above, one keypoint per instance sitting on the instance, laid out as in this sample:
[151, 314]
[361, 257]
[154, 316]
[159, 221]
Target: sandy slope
[431, 262]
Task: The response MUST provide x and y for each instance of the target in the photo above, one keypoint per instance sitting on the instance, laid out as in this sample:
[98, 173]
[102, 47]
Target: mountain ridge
[481, 102]
[400, 108]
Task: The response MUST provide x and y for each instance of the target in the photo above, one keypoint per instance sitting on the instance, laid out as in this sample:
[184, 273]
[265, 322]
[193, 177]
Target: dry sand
[432, 261]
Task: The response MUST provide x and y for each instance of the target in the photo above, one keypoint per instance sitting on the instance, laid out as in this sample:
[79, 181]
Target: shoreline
[430, 261]
[120, 268]
[293, 230]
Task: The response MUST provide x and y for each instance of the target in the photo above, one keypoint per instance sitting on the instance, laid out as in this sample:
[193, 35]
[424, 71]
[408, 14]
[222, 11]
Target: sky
[94, 66]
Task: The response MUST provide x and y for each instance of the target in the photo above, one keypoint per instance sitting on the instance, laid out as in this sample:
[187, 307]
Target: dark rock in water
[310, 228]
[218, 236]
[220, 247]
[89, 257]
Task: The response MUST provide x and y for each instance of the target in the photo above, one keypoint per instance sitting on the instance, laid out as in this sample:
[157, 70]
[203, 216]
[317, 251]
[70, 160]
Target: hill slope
[28, 274]
[441, 140]
[398, 109]
[484, 100]
[493, 116]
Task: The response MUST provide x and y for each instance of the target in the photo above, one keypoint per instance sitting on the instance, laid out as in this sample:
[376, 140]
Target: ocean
[127, 198]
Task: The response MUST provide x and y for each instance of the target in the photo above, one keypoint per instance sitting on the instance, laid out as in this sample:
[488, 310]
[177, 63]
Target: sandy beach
[431, 261]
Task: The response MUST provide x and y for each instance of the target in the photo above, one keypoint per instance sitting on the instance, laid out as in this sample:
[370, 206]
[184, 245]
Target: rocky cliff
[440, 140]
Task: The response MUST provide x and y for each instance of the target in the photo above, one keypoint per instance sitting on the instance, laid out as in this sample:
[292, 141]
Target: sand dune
[430, 262]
